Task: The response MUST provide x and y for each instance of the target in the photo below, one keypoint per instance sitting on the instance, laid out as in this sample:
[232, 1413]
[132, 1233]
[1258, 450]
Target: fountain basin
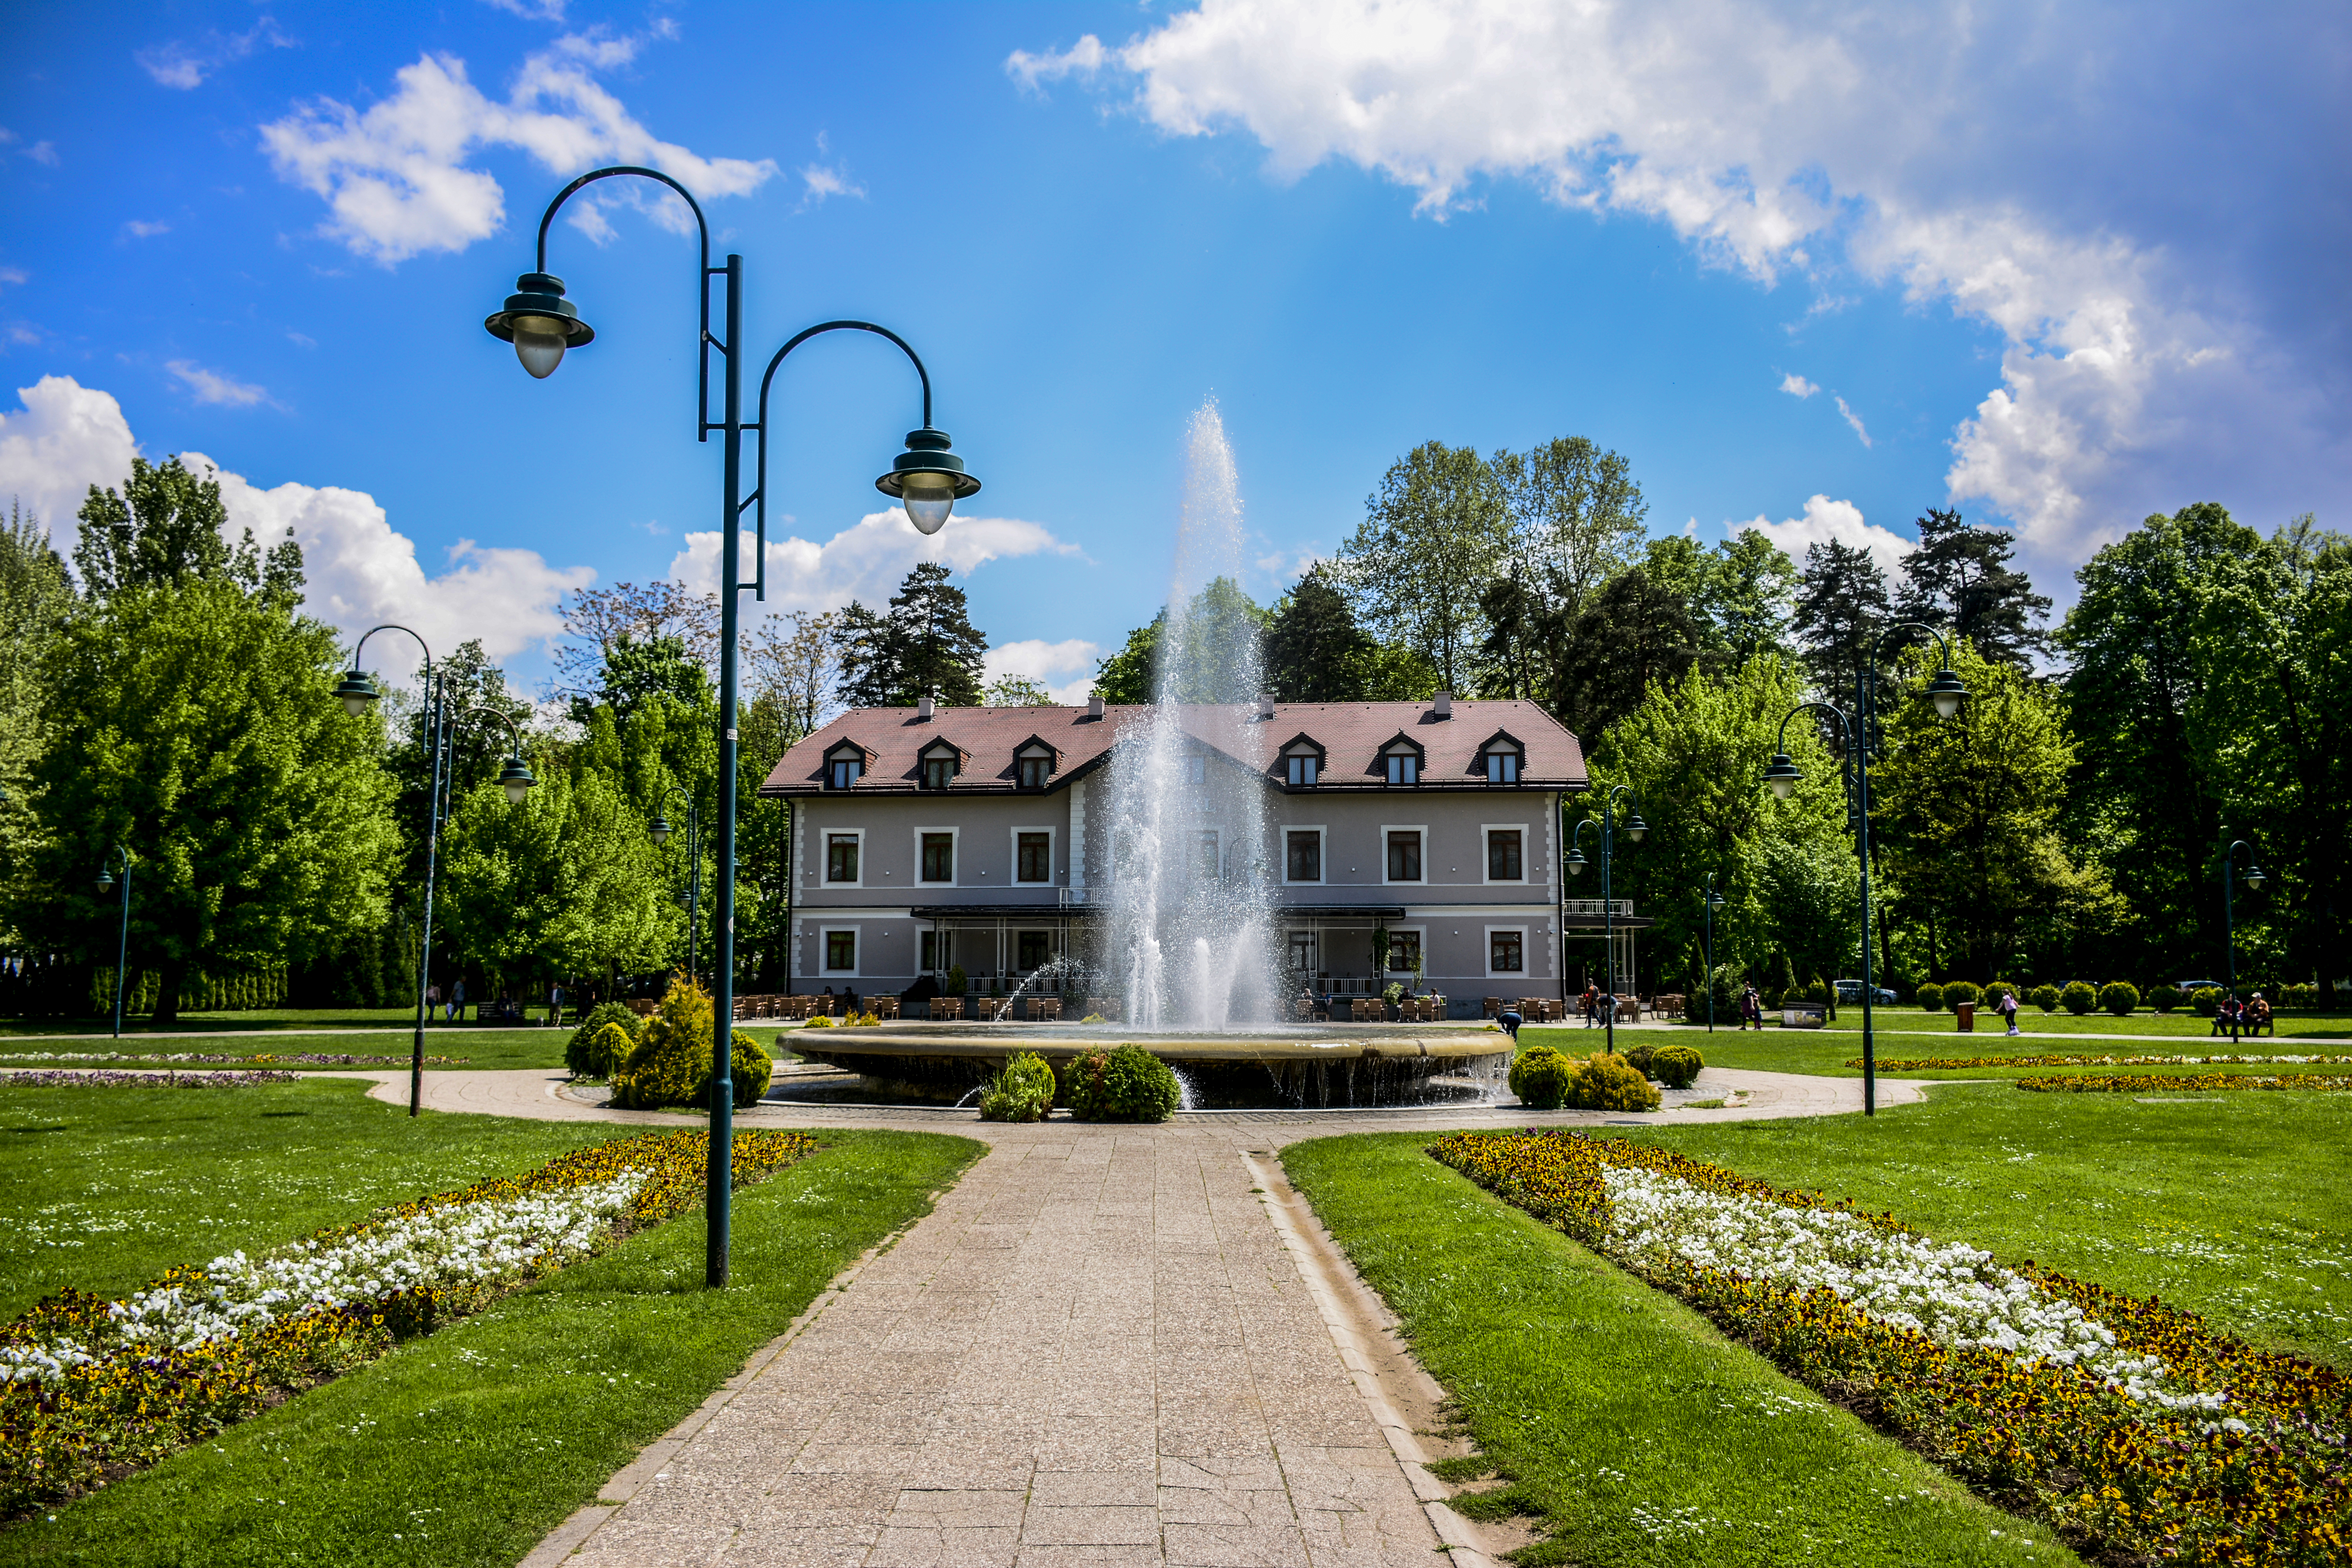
[1270, 1066]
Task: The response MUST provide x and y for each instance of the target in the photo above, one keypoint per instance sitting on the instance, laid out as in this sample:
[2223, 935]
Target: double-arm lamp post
[435, 727]
[122, 937]
[928, 478]
[660, 832]
[2255, 878]
[1853, 732]
[1635, 829]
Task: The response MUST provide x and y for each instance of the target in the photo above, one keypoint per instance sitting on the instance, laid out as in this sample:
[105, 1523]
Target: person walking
[1591, 1005]
[1751, 1009]
[2007, 1010]
[556, 1006]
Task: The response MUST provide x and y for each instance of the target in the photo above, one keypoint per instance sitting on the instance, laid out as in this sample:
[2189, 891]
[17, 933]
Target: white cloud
[185, 65]
[11, 276]
[43, 153]
[1796, 385]
[1825, 520]
[210, 386]
[66, 438]
[139, 230]
[396, 180]
[542, 11]
[820, 182]
[1041, 661]
[1854, 419]
[866, 561]
[2019, 164]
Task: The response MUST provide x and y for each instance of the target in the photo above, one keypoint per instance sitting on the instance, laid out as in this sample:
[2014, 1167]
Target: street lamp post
[1854, 731]
[926, 478]
[1713, 903]
[1635, 829]
[2255, 878]
[659, 833]
[123, 936]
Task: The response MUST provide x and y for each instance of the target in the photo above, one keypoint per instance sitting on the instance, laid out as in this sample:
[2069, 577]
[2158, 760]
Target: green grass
[467, 1446]
[527, 1048]
[1612, 1410]
[1825, 1052]
[2032, 1020]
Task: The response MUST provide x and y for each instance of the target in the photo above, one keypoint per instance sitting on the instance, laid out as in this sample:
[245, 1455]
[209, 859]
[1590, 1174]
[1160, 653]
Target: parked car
[2190, 988]
[1850, 992]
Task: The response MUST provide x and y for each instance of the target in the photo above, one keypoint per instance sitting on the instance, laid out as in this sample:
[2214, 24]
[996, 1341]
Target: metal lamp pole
[2255, 878]
[1713, 903]
[1853, 732]
[122, 938]
[659, 833]
[1635, 829]
[927, 477]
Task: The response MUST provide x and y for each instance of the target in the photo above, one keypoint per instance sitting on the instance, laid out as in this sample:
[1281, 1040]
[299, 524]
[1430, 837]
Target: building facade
[977, 837]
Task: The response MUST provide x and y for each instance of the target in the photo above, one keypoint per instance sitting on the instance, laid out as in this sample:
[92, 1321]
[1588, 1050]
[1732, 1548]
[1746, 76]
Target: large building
[977, 837]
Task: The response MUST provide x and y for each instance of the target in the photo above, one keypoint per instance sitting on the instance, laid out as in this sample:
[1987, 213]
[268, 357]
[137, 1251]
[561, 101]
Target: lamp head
[660, 830]
[1637, 829]
[928, 478]
[1715, 900]
[105, 879]
[1575, 862]
[516, 779]
[1947, 691]
[1783, 775]
[357, 690]
[2256, 875]
[541, 323]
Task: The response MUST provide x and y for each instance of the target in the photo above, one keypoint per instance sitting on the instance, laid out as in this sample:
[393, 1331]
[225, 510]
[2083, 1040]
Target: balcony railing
[1599, 907]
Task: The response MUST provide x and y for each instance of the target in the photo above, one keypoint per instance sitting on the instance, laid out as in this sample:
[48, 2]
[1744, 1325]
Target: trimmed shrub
[1603, 1082]
[1999, 989]
[752, 1069]
[1676, 1066]
[580, 1050]
[1816, 993]
[2207, 1001]
[1022, 1091]
[2298, 997]
[2119, 997]
[1640, 1058]
[2044, 997]
[1540, 1077]
[1128, 1084]
[957, 983]
[1929, 996]
[670, 1063]
[1959, 991]
[1768, 999]
[2078, 997]
[2166, 997]
[822, 1021]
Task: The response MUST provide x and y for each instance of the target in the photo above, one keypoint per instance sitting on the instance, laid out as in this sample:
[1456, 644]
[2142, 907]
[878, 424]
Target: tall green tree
[1130, 676]
[924, 645]
[1632, 636]
[1433, 535]
[168, 525]
[36, 597]
[1575, 516]
[1841, 609]
[1315, 651]
[1959, 581]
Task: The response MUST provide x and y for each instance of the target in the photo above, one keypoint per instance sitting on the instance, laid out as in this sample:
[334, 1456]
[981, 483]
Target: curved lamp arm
[1944, 688]
[516, 777]
[357, 689]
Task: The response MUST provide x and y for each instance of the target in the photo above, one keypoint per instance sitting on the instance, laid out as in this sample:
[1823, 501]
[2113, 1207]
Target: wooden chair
[946, 1009]
[1044, 1009]
[884, 1006]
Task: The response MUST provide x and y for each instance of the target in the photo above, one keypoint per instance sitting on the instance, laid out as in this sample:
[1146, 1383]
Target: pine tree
[1840, 607]
[1315, 651]
[1959, 581]
[925, 646]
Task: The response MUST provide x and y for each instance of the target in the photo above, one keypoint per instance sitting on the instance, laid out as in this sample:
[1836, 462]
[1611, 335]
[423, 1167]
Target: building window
[1502, 767]
[1302, 952]
[1305, 859]
[1503, 863]
[1196, 768]
[1033, 858]
[1404, 768]
[1405, 856]
[841, 858]
[840, 951]
[938, 856]
[1505, 953]
[931, 946]
[1036, 948]
[937, 772]
[845, 772]
[1205, 858]
[1035, 771]
[1302, 771]
[1404, 951]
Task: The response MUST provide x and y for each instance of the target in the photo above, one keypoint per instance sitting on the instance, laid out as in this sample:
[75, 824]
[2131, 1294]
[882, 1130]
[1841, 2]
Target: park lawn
[467, 1047]
[2184, 1026]
[1825, 1052]
[104, 1188]
[467, 1446]
[1633, 1431]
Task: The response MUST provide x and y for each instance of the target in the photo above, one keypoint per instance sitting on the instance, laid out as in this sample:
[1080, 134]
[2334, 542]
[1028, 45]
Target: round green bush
[2079, 998]
[2119, 997]
[2165, 998]
[1929, 996]
[579, 1051]
[1539, 1078]
[1815, 991]
[1640, 1058]
[1603, 1082]
[1022, 1091]
[2207, 1001]
[1999, 989]
[2298, 997]
[1676, 1066]
[1960, 991]
[670, 1063]
[2044, 997]
[753, 1068]
[1128, 1084]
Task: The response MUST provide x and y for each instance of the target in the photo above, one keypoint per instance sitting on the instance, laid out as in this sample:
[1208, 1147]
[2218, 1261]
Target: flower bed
[91, 1388]
[52, 1077]
[1912, 1064]
[2125, 1083]
[306, 1058]
[2131, 1426]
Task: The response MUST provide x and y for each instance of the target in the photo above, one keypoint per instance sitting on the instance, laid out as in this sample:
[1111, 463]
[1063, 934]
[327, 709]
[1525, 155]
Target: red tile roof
[1350, 733]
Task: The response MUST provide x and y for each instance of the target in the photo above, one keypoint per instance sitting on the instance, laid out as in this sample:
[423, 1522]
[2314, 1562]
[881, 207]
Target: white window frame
[824, 872]
[1053, 855]
[1486, 939]
[1020, 760]
[1322, 853]
[825, 935]
[1485, 767]
[1419, 762]
[1314, 757]
[1420, 931]
[955, 853]
[1389, 828]
[1486, 864]
[1290, 935]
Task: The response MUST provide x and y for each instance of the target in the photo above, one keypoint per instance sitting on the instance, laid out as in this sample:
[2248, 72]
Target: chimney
[1265, 706]
[1442, 705]
[1094, 704]
[923, 710]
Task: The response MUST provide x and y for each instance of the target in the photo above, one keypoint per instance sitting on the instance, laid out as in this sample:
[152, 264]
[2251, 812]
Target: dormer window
[1302, 762]
[941, 762]
[1500, 757]
[843, 766]
[1400, 761]
[1300, 770]
[1033, 764]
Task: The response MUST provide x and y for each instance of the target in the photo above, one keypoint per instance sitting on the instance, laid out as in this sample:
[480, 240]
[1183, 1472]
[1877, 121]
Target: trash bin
[1966, 1011]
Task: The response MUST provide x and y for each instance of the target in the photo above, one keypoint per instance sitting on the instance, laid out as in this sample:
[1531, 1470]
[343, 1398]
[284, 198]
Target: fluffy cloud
[1825, 520]
[360, 569]
[2023, 166]
[1073, 660]
[866, 561]
[396, 178]
[1796, 385]
[185, 65]
[211, 386]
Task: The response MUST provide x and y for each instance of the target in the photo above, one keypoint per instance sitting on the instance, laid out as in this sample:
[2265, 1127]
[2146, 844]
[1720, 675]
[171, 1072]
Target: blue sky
[1821, 265]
